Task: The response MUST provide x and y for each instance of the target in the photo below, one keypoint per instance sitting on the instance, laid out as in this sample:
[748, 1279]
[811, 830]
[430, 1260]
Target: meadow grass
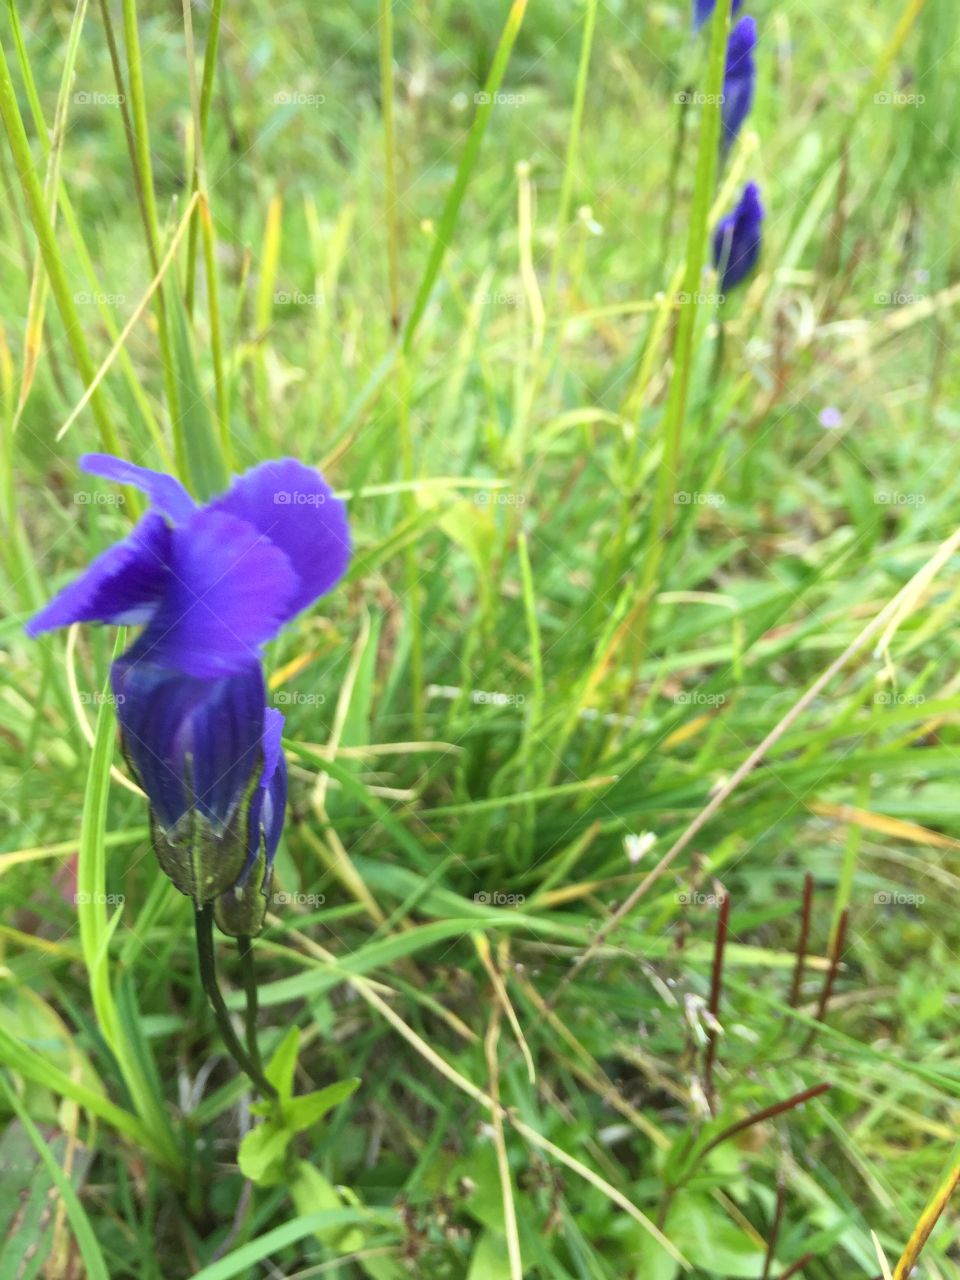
[590, 953]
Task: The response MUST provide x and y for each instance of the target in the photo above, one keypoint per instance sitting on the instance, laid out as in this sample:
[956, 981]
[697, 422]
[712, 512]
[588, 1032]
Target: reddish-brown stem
[836, 951]
[803, 940]
[799, 1265]
[767, 1113]
[775, 1226]
[777, 1109]
[716, 986]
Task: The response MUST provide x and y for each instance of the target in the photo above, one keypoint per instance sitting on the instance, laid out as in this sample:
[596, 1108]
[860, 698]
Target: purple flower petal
[192, 742]
[272, 737]
[273, 783]
[268, 802]
[294, 507]
[229, 591]
[124, 585]
[165, 492]
[739, 77]
[273, 762]
[738, 238]
[703, 9]
[274, 809]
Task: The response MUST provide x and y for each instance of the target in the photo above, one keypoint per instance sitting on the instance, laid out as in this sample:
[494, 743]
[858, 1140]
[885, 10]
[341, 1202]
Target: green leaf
[300, 1113]
[708, 1238]
[283, 1064]
[652, 1260]
[262, 1150]
[312, 1192]
[486, 1262]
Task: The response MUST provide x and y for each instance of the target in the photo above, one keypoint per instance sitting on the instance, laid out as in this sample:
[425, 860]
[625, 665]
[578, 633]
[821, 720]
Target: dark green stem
[203, 917]
[245, 947]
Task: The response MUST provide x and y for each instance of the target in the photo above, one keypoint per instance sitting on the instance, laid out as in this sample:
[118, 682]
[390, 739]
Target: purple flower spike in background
[739, 78]
[210, 585]
[703, 9]
[738, 238]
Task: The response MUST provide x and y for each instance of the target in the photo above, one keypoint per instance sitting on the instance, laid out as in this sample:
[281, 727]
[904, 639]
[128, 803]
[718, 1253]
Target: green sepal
[241, 910]
[201, 861]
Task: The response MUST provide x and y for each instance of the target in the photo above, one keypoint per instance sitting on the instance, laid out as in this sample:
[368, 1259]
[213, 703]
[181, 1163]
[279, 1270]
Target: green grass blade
[200, 441]
[96, 1268]
[241, 1260]
[95, 931]
[60, 285]
[468, 160]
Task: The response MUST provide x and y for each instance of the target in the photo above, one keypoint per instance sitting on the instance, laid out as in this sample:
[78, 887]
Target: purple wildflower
[738, 237]
[210, 585]
[739, 77]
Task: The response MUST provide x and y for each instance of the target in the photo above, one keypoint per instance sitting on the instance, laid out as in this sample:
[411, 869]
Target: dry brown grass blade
[928, 1220]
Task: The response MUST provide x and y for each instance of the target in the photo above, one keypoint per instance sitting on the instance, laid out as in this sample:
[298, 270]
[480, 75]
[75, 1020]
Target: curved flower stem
[245, 948]
[203, 917]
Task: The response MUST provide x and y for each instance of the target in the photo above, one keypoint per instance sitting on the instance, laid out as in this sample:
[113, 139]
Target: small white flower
[636, 847]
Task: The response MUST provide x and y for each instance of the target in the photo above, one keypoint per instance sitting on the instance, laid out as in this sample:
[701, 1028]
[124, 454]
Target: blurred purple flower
[210, 585]
[702, 10]
[830, 417]
[738, 237]
[739, 77]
